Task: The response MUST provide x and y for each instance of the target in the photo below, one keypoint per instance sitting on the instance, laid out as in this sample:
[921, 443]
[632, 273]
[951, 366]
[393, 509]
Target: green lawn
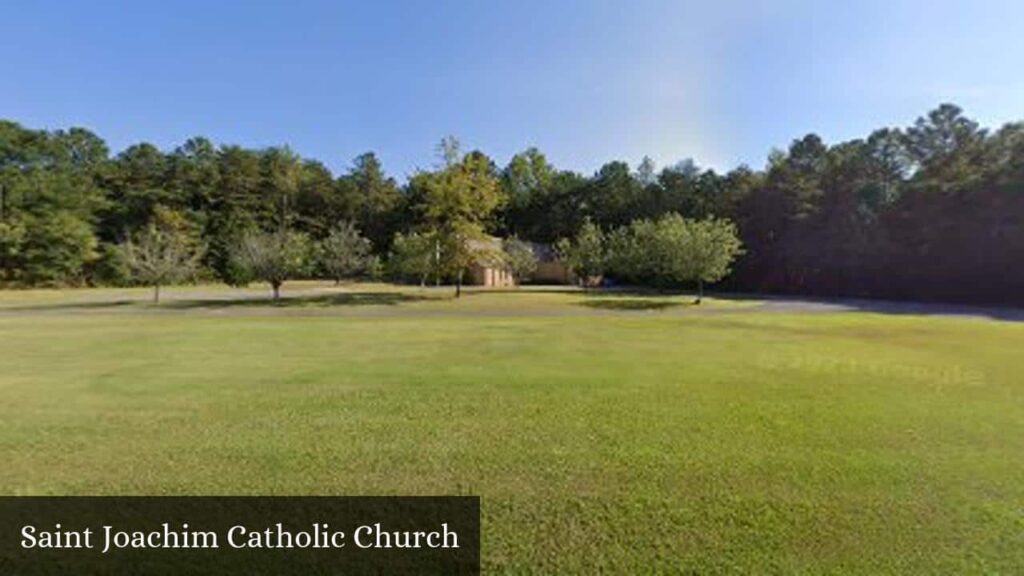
[632, 434]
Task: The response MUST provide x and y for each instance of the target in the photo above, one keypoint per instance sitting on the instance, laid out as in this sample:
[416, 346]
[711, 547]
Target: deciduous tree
[163, 253]
[344, 252]
[519, 258]
[273, 257]
[412, 256]
[458, 202]
[585, 254]
[709, 249]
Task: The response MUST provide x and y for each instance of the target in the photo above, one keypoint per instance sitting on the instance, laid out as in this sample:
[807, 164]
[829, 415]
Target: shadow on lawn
[628, 304]
[297, 301]
[618, 298]
[526, 289]
[89, 305]
[316, 301]
[810, 304]
[597, 291]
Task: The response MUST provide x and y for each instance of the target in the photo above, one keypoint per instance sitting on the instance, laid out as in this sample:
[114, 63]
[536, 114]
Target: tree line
[931, 211]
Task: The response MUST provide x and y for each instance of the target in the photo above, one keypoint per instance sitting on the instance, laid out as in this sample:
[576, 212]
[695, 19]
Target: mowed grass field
[626, 434]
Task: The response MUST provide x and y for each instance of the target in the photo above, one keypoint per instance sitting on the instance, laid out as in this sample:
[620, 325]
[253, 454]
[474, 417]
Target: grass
[616, 436]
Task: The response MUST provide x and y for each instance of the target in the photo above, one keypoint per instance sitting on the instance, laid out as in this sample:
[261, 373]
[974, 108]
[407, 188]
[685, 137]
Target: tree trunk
[437, 264]
[458, 284]
[277, 290]
[156, 294]
[700, 291]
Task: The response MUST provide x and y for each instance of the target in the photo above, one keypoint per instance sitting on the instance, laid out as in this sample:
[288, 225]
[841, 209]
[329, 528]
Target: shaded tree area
[933, 211]
[455, 205]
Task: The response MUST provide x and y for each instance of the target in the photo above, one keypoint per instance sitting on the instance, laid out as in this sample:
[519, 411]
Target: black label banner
[239, 535]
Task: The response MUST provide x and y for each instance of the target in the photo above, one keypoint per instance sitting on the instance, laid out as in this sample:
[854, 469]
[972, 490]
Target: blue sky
[586, 82]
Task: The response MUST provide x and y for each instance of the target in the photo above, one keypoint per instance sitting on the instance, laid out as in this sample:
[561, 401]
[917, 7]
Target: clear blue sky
[585, 81]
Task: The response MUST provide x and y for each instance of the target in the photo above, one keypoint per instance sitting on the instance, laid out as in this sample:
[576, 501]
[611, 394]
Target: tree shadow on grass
[628, 304]
[526, 289]
[317, 301]
[89, 305]
[629, 291]
[798, 303]
[589, 291]
[287, 302]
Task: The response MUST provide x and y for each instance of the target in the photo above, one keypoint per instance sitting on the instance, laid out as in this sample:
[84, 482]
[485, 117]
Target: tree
[162, 254]
[709, 249]
[412, 256]
[234, 210]
[519, 258]
[585, 254]
[633, 253]
[56, 249]
[344, 252]
[613, 196]
[929, 211]
[317, 208]
[449, 149]
[374, 268]
[528, 182]
[49, 199]
[377, 200]
[890, 162]
[646, 172]
[939, 141]
[458, 201]
[273, 257]
[282, 174]
[12, 240]
[136, 183]
[193, 174]
[674, 250]
[544, 204]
